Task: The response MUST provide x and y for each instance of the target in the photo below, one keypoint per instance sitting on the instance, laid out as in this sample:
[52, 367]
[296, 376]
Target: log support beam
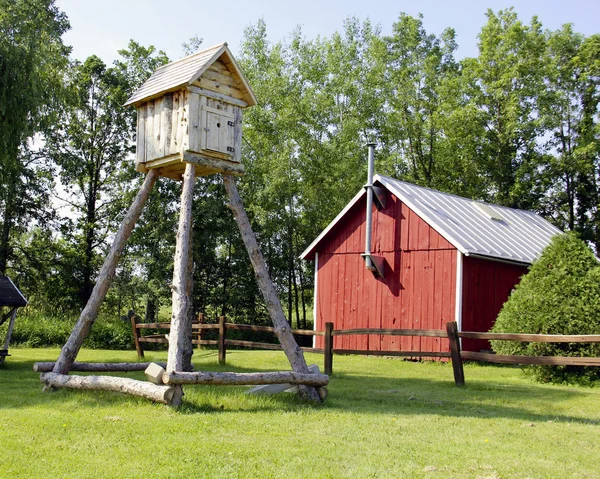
[96, 367]
[281, 326]
[157, 393]
[180, 337]
[107, 273]
[243, 379]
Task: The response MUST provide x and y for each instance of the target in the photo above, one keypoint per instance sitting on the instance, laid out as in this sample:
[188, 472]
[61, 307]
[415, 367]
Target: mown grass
[384, 418]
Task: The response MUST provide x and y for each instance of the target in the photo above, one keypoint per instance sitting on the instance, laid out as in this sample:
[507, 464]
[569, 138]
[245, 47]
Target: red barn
[443, 258]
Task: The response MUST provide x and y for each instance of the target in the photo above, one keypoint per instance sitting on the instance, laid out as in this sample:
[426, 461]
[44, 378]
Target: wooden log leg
[282, 329]
[90, 312]
[180, 336]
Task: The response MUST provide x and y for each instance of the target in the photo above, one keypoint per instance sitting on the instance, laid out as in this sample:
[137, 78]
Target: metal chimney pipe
[369, 225]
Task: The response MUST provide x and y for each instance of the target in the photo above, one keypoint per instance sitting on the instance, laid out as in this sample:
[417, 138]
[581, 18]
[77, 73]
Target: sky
[103, 27]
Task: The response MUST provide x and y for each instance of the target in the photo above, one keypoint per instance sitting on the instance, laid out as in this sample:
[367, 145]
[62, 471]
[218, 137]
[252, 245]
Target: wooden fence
[221, 342]
[456, 355]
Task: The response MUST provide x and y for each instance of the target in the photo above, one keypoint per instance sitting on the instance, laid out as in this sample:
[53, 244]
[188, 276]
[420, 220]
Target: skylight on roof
[488, 211]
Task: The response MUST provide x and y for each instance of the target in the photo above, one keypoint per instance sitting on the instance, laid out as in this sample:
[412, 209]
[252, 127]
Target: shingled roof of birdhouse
[186, 71]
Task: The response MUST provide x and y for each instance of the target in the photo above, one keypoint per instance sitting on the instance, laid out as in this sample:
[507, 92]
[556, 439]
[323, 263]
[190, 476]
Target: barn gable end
[417, 290]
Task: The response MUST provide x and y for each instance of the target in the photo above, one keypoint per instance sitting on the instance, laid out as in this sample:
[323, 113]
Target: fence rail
[532, 338]
[456, 355]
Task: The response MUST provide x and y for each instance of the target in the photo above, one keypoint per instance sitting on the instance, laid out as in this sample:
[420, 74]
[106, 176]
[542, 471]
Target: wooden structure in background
[10, 297]
[189, 125]
[445, 258]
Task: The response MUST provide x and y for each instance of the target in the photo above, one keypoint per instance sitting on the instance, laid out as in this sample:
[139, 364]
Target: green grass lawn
[384, 418]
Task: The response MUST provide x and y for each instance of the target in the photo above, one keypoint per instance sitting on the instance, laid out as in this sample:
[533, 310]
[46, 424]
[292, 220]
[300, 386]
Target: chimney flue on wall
[369, 224]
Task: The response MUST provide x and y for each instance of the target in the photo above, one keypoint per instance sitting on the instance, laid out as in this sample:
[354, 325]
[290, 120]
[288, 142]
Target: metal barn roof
[474, 228]
[10, 294]
[186, 71]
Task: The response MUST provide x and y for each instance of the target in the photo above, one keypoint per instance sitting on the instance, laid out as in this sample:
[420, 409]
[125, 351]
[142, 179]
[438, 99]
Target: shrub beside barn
[443, 258]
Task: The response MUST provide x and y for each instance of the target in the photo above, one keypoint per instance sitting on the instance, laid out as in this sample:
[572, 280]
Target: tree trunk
[6, 225]
[282, 329]
[144, 389]
[180, 337]
[224, 294]
[107, 273]
[296, 298]
[150, 313]
[302, 290]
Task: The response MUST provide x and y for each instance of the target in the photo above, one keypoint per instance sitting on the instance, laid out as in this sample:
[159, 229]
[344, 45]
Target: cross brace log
[45, 367]
[237, 379]
[163, 394]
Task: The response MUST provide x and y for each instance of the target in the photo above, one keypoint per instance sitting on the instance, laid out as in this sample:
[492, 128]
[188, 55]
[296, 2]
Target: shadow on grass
[483, 397]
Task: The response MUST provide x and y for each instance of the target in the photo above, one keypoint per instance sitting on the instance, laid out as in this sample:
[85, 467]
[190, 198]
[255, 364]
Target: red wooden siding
[486, 287]
[418, 290]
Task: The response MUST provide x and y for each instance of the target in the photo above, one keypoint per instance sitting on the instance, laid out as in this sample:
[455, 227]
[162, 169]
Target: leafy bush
[38, 329]
[559, 295]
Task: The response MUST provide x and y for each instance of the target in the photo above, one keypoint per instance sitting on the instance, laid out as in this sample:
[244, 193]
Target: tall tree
[32, 58]
[502, 86]
[90, 145]
[303, 142]
[588, 147]
[418, 66]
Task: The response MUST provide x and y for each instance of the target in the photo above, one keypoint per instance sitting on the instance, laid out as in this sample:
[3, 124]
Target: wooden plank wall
[418, 289]
[163, 126]
[486, 287]
[173, 123]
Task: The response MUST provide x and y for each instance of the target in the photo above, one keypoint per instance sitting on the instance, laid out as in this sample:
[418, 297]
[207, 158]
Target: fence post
[136, 336]
[222, 333]
[328, 356]
[457, 364]
[200, 331]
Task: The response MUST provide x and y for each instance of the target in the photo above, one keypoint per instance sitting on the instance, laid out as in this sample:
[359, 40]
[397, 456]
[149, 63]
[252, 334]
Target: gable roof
[186, 71]
[473, 228]
[9, 293]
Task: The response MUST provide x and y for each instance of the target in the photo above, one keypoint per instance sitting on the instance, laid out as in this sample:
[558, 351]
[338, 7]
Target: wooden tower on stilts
[189, 125]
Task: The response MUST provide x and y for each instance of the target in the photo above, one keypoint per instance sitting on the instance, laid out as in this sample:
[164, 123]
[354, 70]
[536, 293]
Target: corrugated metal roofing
[520, 236]
[9, 293]
[183, 72]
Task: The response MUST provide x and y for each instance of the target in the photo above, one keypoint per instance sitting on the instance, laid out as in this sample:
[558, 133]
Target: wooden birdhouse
[190, 111]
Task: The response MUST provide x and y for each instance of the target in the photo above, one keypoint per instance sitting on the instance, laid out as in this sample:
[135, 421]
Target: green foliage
[500, 88]
[32, 58]
[39, 329]
[517, 124]
[559, 295]
[416, 69]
